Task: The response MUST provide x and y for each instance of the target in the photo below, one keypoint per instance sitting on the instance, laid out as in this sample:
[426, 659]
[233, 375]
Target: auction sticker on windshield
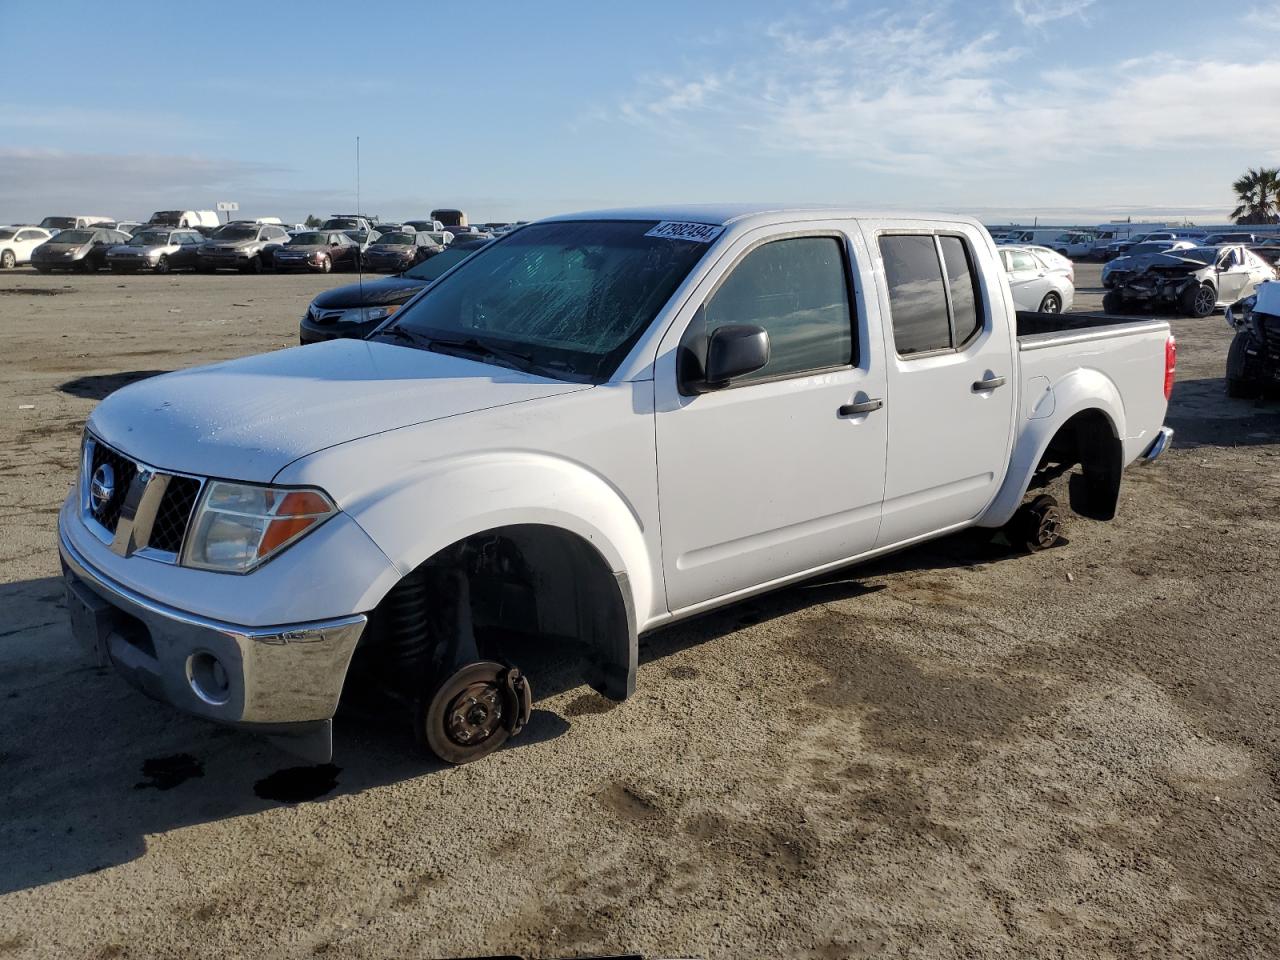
[675, 230]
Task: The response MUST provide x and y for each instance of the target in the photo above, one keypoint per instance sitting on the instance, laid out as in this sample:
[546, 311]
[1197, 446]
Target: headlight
[368, 314]
[238, 526]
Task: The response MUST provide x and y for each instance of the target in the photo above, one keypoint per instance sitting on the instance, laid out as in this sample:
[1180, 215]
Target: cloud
[1263, 17]
[921, 94]
[1036, 13]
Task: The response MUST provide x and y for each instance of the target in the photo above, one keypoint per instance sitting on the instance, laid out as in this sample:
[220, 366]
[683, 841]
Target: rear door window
[934, 301]
[917, 296]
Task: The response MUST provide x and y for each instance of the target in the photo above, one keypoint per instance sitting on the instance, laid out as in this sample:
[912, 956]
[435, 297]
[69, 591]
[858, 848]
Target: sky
[1072, 111]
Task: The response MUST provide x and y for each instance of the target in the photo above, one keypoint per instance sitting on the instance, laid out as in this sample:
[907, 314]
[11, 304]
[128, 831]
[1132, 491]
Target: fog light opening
[208, 678]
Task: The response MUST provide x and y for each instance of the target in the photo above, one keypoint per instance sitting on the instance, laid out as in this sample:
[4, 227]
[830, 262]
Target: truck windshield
[571, 296]
[58, 223]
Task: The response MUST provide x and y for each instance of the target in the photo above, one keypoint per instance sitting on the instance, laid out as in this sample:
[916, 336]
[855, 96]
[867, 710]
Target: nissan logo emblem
[103, 487]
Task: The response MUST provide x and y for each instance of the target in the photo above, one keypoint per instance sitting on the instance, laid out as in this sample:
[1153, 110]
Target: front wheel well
[1087, 440]
[492, 593]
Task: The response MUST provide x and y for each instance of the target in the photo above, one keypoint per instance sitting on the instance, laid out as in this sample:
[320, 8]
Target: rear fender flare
[1079, 391]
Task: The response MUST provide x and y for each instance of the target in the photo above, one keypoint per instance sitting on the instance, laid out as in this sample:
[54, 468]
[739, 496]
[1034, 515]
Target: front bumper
[223, 260]
[283, 680]
[291, 263]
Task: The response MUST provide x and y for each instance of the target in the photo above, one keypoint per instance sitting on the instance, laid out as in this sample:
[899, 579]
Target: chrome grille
[148, 510]
[122, 474]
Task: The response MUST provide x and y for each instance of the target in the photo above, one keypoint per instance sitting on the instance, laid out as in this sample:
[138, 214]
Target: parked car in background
[1146, 246]
[347, 221]
[356, 310]
[1036, 285]
[1192, 282]
[238, 246]
[158, 249]
[79, 222]
[1268, 252]
[461, 230]
[127, 226]
[183, 219]
[18, 242]
[1073, 244]
[429, 226]
[1052, 237]
[1214, 239]
[84, 250]
[442, 237]
[1054, 260]
[1253, 359]
[396, 251]
[449, 218]
[319, 251]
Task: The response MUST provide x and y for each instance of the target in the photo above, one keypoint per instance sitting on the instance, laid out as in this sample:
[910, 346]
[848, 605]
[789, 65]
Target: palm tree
[1259, 194]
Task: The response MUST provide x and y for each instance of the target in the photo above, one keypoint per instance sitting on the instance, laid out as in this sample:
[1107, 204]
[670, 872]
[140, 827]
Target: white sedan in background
[1053, 258]
[1037, 283]
[16, 244]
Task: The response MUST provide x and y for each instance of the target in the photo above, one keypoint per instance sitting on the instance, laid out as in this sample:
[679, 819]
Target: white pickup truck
[594, 426]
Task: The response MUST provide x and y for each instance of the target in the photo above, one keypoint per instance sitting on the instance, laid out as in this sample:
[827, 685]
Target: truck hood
[247, 419]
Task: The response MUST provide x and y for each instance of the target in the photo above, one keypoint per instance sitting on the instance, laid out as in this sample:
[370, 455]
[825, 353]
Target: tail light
[1170, 364]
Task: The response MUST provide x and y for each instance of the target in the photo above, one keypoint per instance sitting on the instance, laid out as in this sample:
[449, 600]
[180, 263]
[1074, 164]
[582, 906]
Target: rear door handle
[989, 384]
[864, 406]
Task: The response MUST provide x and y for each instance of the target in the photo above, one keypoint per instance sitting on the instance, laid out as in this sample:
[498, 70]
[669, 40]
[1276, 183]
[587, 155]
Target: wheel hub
[474, 714]
[1049, 527]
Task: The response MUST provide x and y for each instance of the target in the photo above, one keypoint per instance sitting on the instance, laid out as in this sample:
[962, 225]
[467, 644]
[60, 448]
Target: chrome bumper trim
[1162, 442]
[277, 675]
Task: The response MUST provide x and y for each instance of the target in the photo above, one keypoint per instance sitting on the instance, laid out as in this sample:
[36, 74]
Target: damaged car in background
[1253, 360]
[1193, 282]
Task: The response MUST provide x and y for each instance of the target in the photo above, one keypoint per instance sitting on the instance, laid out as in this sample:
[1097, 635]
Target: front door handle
[988, 384]
[864, 406]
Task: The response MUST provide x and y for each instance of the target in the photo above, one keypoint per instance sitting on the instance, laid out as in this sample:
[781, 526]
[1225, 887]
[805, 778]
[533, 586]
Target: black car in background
[317, 250]
[396, 251]
[356, 310]
[84, 250]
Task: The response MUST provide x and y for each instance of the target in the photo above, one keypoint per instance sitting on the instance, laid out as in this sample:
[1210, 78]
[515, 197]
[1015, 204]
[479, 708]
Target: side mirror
[734, 350]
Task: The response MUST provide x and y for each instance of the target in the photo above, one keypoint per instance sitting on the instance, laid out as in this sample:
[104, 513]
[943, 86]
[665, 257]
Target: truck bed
[1035, 329]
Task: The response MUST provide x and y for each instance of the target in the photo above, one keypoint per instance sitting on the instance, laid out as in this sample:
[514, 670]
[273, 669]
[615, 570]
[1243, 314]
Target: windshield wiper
[407, 336]
[480, 349]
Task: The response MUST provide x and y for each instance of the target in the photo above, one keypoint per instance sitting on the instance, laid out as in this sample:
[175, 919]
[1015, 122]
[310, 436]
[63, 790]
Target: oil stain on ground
[165, 773]
[298, 784]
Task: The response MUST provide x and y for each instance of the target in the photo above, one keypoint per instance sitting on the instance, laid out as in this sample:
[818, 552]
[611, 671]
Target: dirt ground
[955, 752]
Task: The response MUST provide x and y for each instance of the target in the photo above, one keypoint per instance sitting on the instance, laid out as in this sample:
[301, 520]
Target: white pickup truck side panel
[763, 479]
[948, 445]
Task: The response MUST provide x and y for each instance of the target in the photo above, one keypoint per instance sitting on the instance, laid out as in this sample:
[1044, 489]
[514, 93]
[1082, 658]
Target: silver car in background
[1123, 262]
[158, 249]
[1036, 283]
[239, 246]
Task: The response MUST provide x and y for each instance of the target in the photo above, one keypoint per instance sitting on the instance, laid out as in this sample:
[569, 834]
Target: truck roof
[723, 214]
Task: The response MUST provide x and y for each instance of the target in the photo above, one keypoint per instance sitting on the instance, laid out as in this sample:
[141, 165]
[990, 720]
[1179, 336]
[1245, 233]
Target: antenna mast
[359, 248]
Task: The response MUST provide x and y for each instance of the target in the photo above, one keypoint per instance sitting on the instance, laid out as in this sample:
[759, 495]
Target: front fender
[423, 511]
[1078, 391]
